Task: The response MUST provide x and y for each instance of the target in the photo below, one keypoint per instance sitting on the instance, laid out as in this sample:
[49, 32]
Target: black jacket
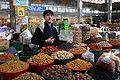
[40, 36]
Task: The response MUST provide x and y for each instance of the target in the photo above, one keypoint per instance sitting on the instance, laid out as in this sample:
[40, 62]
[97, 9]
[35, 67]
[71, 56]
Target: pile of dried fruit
[56, 72]
[94, 46]
[79, 65]
[77, 36]
[80, 45]
[7, 56]
[61, 55]
[49, 49]
[104, 44]
[13, 66]
[78, 50]
[29, 76]
[79, 76]
[41, 59]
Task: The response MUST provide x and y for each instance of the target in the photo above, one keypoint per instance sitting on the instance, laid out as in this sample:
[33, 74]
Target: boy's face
[48, 18]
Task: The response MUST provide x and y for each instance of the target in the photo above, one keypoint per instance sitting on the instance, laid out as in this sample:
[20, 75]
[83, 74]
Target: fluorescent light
[99, 1]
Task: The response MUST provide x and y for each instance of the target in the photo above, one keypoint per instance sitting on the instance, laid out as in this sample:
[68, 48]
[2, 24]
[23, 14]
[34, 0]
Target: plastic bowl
[12, 75]
[81, 71]
[62, 61]
[39, 68]
[24, 58]
[96, 51]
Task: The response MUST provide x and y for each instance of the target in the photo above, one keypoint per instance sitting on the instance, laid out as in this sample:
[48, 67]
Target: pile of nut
[29, 76]
[41, 59]
[79, 76]
[61, 55]
[13, 66]
[79, 65]
[56, 72]
[78, 50]
[104, 44]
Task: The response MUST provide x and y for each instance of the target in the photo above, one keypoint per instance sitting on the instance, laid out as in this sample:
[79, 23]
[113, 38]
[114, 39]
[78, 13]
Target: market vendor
[46, 34]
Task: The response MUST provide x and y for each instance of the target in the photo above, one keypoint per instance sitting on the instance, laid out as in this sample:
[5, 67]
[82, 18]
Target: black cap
[48, 12]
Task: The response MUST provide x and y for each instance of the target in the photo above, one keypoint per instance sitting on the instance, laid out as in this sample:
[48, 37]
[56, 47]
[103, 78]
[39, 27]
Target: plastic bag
[106, 63]
[66, 36]
[2, 35]
[89, 56]
[25, 37]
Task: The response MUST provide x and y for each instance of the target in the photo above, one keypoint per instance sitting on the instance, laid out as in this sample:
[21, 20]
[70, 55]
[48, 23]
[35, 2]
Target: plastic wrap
[89, 56]
[106, 62]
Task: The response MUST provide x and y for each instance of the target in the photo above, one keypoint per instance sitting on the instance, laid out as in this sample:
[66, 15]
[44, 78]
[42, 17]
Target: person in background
[46, 34]
[98, 24]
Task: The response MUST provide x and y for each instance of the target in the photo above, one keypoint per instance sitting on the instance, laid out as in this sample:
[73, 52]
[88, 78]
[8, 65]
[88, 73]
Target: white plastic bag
[25, 37]
[2, 35]
[89, 56]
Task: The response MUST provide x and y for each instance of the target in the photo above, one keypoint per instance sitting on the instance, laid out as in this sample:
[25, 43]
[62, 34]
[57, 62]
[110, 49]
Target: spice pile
[49, 49]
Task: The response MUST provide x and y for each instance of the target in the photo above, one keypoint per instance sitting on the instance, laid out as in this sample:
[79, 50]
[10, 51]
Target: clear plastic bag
[106, 62]
[89, 56]
[66, 36]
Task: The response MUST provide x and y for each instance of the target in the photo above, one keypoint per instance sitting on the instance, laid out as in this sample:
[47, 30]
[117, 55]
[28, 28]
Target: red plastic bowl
[39, 68]
[12, 75]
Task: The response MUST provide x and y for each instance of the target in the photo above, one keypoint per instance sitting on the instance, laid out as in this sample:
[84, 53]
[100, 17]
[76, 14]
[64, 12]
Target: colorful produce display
[78, 50]
[79, 65]
[65, 46]
[61, 55]
[7, 56]
[104, 44]
[41, 59]
[79, 76]
[13, 66]
[49, 49]
[29, 76]
[56, 72]
[94, 46]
